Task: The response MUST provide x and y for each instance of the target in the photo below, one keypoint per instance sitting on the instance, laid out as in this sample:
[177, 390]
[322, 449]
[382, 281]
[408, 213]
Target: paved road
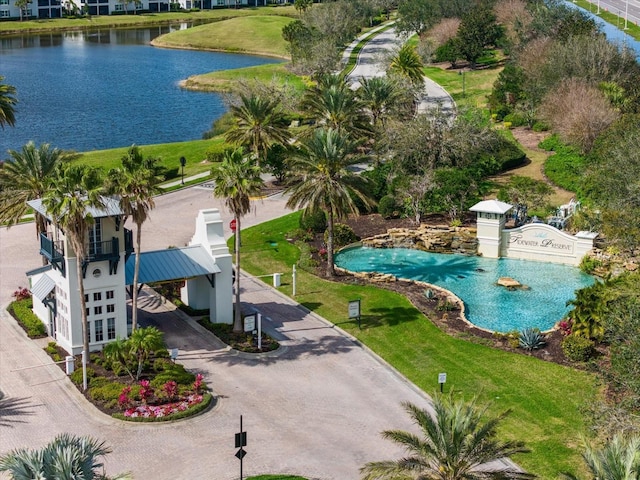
[372, 63]
[624, 9]
[315, 408]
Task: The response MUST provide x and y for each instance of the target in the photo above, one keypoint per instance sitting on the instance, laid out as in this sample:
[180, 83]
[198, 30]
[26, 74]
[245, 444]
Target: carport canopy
[172, 264]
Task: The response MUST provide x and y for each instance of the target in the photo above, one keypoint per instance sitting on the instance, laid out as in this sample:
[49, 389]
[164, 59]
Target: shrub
[342, 235]
[531, 339]
[306, 261]
[315, 221]
[507, 125]
[106, 393]
[30, 323]
[540, 127]
[446, 306]
[300, 234]
[21, 293]
[160, 364]
[173, 372]
[387, 207]
[516, 119]
[76, 376]
[588, 264]
[577, 349]
[565, 326]
[51, 348]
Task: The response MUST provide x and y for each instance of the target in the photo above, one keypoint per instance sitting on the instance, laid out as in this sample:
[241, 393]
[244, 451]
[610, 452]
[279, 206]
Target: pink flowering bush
[157, 411]
[146, 391]
[170, 389]
[21, 294]
[566, 326]
[197, 385]
[123, 399]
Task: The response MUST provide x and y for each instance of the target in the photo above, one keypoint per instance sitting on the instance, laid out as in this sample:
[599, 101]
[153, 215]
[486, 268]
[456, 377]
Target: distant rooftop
[111, 208]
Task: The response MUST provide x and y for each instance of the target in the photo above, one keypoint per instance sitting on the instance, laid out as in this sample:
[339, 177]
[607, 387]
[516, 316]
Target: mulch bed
[451, 322]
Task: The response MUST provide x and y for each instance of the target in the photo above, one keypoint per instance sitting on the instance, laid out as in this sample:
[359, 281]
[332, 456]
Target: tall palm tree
[407, 63]
[378, 95]
[66, 457]
[334, 105]
[73, 191]
[7, 104]
[25, 178]
[135, 183]
[619, 459]
[237, 179]
[455, 444]
[259, 122]
[322, 181]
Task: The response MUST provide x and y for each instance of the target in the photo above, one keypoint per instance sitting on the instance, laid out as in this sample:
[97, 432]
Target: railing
[52, 249]
[109, 249]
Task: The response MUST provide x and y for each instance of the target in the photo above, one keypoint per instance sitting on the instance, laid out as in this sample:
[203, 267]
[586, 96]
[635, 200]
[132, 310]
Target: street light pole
[626, 15]
[183, 162]
[598, 12]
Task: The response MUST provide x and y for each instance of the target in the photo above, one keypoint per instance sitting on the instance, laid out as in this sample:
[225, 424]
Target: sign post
[442, 379]
[241, 441]
[354, 310]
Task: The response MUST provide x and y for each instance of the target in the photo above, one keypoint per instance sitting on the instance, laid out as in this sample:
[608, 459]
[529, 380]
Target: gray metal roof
[43, 287]
[171, 264]
[111, 208]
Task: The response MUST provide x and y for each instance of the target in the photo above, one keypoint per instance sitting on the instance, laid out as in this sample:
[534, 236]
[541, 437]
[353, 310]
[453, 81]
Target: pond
[92, 90]
[473, 280]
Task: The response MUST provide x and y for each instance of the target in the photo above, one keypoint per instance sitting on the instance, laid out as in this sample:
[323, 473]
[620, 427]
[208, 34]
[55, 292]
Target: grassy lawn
[226, 80]
[545, 398]
[477, 84]
[169, 154]
[259, 34]
[140, 19]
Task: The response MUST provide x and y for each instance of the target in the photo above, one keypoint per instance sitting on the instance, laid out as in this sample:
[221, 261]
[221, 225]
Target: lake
[94, 90]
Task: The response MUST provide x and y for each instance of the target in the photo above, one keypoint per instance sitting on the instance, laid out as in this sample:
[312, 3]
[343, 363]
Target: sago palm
[25, 177]
[259, 122]
[457, 442]
[236, 179]
[66, 457]
[135, 183]
[619, 459]
[74, 190]
[322, 181]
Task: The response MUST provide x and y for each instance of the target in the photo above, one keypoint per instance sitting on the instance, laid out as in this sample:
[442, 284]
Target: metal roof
[491, 206]
[43, 287]
[171, 264]
[111, 208]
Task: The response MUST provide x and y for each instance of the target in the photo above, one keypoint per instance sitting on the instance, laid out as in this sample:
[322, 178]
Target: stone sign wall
[439, 238]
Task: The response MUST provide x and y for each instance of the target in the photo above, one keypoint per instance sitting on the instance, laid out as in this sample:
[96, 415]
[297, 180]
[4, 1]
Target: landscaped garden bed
[243, 342]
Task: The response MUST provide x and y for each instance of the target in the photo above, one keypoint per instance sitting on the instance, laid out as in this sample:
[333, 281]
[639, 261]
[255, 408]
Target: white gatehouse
[533, 241]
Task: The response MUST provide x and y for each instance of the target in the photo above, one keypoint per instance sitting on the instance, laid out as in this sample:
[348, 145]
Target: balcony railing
[52, 250]
[107, 250]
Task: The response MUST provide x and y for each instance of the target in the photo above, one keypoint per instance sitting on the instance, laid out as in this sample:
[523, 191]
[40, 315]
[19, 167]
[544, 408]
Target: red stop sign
[232, 225]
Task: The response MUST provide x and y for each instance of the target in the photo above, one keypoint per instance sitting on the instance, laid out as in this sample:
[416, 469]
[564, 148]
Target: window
[86, 297]
[109, 294]
[111, 328]
[99, 331]
[97, 296]
[88, 311]
[97, 310]
[111, 308]
[119, 7]
[95, 238]
[4, 2]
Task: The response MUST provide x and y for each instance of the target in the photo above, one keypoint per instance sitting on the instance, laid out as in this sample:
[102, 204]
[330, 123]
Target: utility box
[277, 279]
[70, 364]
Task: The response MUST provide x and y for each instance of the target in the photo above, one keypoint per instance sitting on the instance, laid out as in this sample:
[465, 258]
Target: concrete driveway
[314, 408]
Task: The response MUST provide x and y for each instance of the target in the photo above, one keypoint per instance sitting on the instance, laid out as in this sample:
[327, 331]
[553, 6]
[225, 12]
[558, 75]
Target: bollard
[276, 279]
[70, 364]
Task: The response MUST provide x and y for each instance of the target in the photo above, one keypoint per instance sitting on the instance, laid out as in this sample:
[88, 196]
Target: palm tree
[407, 63]
[119, 353]
[25, 178]
[259, 122]
[135, 183]
[237, 179]
[142, 343]
[67, 456]
[456, 443]
[324, 183]
[73, 191]
[7, 104]
[619, 459]
[334, 105]
[378, 95]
